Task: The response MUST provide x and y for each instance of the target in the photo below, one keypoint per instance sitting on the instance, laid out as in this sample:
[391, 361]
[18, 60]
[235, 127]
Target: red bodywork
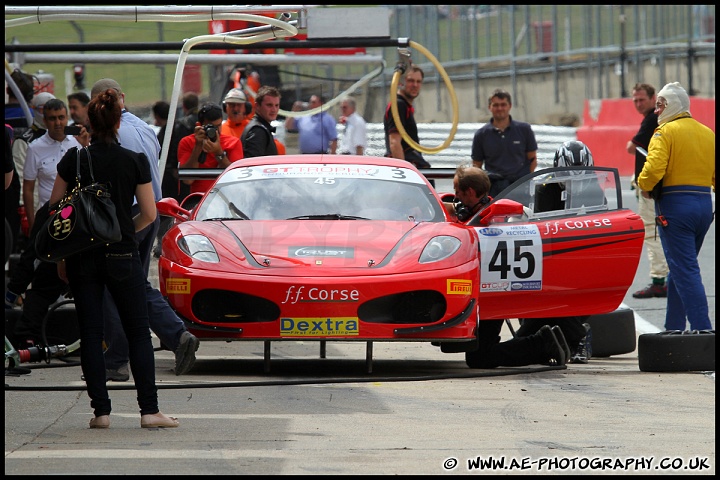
[337, 279]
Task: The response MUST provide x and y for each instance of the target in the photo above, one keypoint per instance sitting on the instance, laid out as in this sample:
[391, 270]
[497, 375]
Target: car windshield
[321, 191]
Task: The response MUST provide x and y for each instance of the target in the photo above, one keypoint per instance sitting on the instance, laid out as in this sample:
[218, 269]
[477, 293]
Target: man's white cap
[41, 99]
[235, 96]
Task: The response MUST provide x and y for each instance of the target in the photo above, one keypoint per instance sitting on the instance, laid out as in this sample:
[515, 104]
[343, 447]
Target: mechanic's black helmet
[573, 154]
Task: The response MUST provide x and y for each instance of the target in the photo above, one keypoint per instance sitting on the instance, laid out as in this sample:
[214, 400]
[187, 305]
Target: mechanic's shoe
[561, 339]
[651, 291]
[583, 353]
[101, 421]
[185, 353]
[554, 351]
[158, 420]
[122, 374]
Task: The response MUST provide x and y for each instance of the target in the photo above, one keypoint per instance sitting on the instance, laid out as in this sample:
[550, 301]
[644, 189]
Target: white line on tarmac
[642, 325]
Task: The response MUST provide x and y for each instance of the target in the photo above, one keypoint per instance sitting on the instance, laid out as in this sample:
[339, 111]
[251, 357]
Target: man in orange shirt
[238, 111]
[207, 147]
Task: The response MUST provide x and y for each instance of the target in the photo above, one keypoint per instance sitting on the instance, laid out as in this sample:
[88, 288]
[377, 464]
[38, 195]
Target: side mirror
[447, 197]
[171, 208]
[501, 211]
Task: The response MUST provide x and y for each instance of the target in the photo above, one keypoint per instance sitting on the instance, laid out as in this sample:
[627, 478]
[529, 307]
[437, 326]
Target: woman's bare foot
[101, 421]
[158, 420]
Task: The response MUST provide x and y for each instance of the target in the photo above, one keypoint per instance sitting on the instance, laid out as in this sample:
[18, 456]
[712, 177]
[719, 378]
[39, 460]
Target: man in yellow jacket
[681, 155]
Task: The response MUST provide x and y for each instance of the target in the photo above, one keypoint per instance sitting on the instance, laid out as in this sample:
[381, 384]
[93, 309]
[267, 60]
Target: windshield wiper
[239, 215]
[237, 211]
[327, 216]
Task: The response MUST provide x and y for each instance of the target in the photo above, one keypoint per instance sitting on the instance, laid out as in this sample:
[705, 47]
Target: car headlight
[199, 247]
[439, 248]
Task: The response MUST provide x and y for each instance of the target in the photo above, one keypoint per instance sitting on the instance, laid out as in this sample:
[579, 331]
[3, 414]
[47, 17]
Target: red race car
[350, 248]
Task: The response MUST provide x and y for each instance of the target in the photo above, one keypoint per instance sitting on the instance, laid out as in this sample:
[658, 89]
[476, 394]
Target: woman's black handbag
[83, 220]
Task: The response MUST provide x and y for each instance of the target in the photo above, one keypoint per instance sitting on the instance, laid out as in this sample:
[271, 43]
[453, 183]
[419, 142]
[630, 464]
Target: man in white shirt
[43, 156]
[354, 140]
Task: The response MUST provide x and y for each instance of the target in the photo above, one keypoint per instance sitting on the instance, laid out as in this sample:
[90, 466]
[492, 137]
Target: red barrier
[609, 124]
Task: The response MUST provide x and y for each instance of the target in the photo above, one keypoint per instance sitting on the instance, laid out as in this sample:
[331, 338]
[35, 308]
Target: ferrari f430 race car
[350, 248]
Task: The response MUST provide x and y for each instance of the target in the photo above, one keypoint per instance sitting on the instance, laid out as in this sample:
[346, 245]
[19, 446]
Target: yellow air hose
[453, 100]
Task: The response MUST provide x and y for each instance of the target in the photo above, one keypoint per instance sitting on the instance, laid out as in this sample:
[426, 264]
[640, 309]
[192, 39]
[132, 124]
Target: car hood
[307, 242]
[295, 246]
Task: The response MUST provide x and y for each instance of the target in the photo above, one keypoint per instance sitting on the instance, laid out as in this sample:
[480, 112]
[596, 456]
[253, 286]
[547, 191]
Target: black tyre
[613, 333]
[676, 351]
[60, 325]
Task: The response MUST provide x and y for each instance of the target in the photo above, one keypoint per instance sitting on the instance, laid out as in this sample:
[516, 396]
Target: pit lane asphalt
[419, 412]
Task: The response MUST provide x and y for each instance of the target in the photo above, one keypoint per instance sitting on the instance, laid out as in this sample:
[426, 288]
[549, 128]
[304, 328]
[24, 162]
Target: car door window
[566, 191]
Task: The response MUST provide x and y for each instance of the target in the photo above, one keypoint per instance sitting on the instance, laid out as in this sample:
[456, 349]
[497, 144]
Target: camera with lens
[211, 131]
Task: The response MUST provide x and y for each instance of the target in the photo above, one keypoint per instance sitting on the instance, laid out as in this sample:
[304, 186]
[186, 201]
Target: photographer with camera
[471, 185]
[207, 147]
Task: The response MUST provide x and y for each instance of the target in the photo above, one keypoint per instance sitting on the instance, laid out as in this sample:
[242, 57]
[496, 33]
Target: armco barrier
[609, 124]
[548, 137]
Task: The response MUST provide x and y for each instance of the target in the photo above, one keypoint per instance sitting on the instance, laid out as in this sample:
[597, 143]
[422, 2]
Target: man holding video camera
[207, 147]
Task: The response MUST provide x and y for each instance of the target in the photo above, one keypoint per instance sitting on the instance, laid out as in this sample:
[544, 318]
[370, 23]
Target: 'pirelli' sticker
[510, 258]
[177, 286]
[459, 287]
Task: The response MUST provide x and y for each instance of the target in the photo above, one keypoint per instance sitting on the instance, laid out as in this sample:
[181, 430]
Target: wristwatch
[221, 156]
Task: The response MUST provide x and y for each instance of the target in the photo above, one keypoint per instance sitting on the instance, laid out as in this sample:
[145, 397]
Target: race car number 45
[510, 258]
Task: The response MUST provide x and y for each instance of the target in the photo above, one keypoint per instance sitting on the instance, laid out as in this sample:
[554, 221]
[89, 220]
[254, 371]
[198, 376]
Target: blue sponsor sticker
[530, 285]
[490, 232]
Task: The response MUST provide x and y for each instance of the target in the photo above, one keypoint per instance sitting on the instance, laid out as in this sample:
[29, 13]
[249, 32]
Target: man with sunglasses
[207, 147]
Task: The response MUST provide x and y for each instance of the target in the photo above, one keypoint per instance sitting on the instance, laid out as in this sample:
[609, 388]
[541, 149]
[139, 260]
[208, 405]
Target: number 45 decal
[510, 258]
[499, 260]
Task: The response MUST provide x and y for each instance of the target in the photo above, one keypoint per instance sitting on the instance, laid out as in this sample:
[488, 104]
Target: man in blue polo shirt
[318, 133]
[506, 148]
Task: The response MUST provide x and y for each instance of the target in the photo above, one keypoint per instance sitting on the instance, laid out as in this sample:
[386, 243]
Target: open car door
[557, 242]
